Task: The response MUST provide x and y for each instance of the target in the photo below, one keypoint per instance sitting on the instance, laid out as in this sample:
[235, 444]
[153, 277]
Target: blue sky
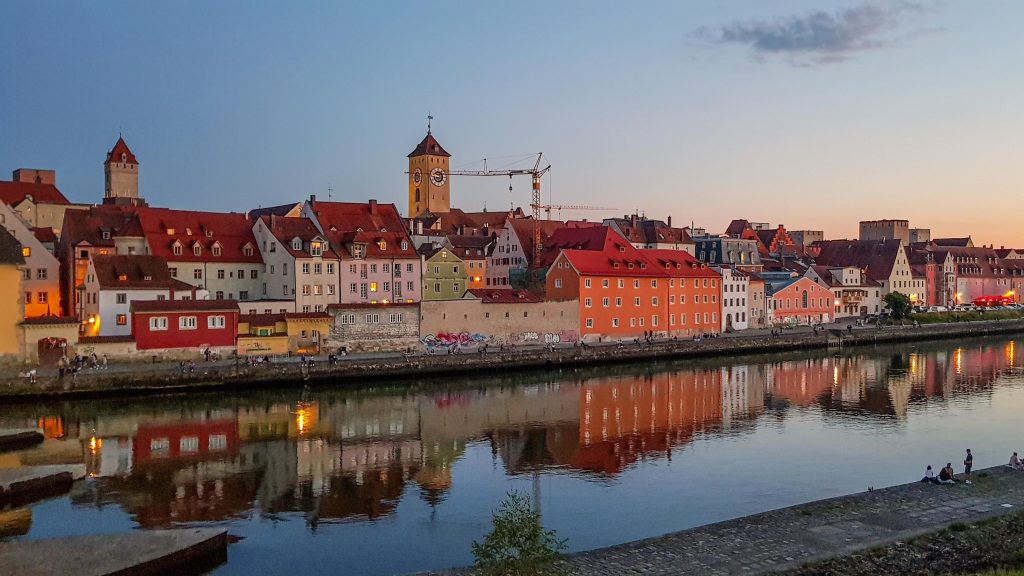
[812, 114]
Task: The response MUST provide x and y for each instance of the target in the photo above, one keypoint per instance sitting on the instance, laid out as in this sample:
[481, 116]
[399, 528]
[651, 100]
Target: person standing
[968, 463]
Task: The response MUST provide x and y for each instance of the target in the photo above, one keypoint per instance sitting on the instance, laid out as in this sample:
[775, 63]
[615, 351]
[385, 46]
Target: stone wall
[472, 322]
[372, 328]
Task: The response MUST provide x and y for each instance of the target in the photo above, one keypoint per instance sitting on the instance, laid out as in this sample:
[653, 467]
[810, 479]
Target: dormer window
[247, 250]
[170, 231]
[316, 248]
[629, 265]
[147, 278]
[176, 248]
[382, 244]
[296, 244]
[642, 265]
[209, 233]
[124, 157]
[105, 234]
[622, 248]
[215, 249]
[405, 245]
[188, 231]
[122, 277]
[358, 250]
[197, 250]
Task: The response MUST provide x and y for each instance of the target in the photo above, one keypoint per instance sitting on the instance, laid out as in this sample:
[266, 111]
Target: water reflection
[341, 457]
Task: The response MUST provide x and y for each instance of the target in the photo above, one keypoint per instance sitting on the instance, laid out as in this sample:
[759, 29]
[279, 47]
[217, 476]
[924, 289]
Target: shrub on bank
[973, 316]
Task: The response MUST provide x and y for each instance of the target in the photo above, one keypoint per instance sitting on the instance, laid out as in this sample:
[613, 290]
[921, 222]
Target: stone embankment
[353, 371]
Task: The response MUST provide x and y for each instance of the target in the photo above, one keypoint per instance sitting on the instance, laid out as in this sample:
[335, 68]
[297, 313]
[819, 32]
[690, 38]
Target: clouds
[821, 37]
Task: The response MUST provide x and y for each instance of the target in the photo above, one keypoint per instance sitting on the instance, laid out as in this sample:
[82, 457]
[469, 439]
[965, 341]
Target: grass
[1002, 572]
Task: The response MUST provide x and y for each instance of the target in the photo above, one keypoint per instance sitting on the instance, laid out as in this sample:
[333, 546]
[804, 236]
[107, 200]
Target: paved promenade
[790, 537]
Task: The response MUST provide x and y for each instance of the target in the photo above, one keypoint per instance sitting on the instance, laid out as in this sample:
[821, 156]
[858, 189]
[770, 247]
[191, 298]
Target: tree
[517, 545]
[898, 305]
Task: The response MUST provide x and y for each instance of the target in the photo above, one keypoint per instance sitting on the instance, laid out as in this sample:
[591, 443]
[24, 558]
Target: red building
[798, 301]
[168, 324]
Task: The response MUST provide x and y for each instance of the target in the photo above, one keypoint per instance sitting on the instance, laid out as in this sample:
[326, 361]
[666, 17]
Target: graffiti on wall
[550, 337]
[461, 339]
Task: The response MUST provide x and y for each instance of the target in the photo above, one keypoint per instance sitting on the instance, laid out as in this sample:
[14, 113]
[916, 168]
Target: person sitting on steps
[929, 476]
[1015, 462]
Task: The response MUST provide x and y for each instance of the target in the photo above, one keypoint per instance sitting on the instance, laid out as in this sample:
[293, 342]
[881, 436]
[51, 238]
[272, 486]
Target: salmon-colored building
[624, 292]
[798, 301]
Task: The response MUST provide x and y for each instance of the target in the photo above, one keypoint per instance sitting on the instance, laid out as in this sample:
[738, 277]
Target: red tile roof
[369, 223]
[678, 264]
[466, 247]
[46, 320]
[163, 227]
[87, 226]
[145, 306]
[261, 319]
[287, 229]
[121, 148]
[953, 242]
[875, 257]
[13, 193]
[307, 315]
[523, 229]
[593, 238]
[379, 305]
[504, 296]
[430, 146]
[133, 272]
[45, 235]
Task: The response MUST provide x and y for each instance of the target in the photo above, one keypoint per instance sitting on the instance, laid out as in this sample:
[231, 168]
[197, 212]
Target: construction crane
[535, 174]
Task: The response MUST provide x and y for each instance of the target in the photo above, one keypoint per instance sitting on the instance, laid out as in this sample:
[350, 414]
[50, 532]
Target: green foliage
[972, 316]
[517, 545]
[898, 305]
[958, 527]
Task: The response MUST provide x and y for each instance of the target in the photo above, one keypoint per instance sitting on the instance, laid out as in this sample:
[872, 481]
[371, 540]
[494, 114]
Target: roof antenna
[329, 190]
[429, 118]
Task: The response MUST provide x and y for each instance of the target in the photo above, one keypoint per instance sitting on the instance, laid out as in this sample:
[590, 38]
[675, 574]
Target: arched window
[805, 298]
[417, 194]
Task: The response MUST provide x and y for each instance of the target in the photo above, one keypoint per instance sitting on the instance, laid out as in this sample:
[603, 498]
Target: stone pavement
[790, 537]
[143, 552]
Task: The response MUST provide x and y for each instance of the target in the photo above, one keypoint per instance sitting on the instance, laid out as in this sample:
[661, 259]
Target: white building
[301, 266]
[735, 306]
[112, 283]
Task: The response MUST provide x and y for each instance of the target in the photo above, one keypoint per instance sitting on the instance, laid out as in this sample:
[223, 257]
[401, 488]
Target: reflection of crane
[535, 174]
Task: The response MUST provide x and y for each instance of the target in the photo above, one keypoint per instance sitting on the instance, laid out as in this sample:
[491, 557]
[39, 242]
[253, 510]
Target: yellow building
[12, 301]
[282, 334]
[428, 178]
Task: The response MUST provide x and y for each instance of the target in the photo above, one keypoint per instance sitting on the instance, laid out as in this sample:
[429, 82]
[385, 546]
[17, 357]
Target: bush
[517, 545]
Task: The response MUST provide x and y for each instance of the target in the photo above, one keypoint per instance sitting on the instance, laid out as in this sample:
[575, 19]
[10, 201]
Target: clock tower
[428, 178]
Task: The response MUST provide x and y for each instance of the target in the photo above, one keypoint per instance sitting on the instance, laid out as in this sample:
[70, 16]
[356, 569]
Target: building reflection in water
[349, 456]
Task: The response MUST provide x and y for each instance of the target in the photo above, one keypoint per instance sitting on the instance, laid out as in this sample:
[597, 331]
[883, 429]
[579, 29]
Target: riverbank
[830, 536]
[141, 379]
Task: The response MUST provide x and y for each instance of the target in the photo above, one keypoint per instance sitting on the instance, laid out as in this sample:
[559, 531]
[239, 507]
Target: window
[363, 290]
[296, 244]
[352, 288]
[217, 442]
[604, 283]
[305, 267]
[586, 283]
[330, 289]
[215, 250]
[636, 284]
[396, 318]
[26, 274]
[186, 323]
[621, 283]
[159, 446]
[247, 250]
[408, 267]
[122, 319]
[26, 251]
[197, 274]
[604, 301]
[316, 248]
[121, 298]
[586, 302]
[243, 294]
[197, 250]
[654, 283]
[189, 444]
[636, 301]
[330, 267]
[373, 286]
[219, 295]
[347, 319]
[215, 322]
[615, 322]
[41, 274]
[42, 297]
[558, 282]
[373, 318]
[158, 323]
[317, 289]
[409, 286]
[373, 268]
[306, 290]
[220, 274]
[590, 322]
[654, 301]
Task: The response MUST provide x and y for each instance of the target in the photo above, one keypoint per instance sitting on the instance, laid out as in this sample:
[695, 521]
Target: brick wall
[373, 328]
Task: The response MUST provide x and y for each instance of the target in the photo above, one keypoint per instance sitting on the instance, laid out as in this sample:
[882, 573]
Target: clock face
[417, 176]
[438, 177]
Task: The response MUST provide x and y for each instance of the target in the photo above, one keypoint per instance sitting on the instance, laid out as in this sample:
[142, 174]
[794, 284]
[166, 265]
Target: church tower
[121, 175]
[428, 178]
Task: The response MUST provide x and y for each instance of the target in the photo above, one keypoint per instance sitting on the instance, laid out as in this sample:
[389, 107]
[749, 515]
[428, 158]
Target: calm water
[390, 480]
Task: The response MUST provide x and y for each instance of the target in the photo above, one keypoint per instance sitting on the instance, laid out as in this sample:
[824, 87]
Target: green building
[444, 273]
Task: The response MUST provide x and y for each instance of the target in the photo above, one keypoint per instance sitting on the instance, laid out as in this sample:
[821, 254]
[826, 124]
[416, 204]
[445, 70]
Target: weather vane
[429, 118]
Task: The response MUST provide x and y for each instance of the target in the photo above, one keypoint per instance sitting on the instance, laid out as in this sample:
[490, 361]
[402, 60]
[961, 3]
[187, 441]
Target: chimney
[373, 207]
[312, 198]
[632, 220]
[273, 221]
[412, 226]
[34, 176]
[669, 222]
[419, 227]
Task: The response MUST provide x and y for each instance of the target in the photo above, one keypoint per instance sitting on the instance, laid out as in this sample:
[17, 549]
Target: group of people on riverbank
[946, 474]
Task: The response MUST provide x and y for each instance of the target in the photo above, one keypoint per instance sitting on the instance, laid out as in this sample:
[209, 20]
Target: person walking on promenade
[929, 476]
[968, 463]
[946, 474]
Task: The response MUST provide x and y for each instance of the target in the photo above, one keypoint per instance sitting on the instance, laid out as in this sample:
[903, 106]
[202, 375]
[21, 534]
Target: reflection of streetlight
[95, 444]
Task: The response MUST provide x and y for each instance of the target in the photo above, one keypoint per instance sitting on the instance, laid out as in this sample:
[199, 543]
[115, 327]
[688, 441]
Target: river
[403, 478]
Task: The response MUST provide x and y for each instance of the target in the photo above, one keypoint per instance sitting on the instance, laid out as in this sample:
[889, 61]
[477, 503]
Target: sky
[814, 115]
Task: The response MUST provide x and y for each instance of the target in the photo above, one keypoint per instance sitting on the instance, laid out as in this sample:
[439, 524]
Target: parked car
[938, 309]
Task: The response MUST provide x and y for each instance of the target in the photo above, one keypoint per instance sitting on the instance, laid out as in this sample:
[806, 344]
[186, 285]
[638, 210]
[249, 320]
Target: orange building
[798, 301]
[624, 292]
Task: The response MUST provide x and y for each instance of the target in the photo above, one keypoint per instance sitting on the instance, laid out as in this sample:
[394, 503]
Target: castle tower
[121, 175]
[428, 178]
